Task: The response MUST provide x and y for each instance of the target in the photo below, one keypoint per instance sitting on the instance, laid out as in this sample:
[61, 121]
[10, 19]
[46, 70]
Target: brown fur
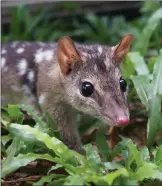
[58, 80]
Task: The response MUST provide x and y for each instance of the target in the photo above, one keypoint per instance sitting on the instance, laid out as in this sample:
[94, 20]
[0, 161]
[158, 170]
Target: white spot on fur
[48, 55]
[30, 76]
[3, 62]
[39, 55]
[3, 51]
[100, 49]
[20, 50]
[41, 99]
[43, 55]
[22, 66]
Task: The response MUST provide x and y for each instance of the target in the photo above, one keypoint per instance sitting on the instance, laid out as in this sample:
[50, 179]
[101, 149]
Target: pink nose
[123, 120]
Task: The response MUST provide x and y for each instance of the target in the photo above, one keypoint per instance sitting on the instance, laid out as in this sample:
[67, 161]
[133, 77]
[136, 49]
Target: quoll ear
[67, 54]
[122, 48]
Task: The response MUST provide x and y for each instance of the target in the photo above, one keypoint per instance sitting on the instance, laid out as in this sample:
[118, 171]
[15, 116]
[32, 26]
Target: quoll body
[64, 78]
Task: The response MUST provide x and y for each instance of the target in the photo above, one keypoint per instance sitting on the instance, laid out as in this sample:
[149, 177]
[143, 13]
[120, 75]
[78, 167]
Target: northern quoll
[66, 77]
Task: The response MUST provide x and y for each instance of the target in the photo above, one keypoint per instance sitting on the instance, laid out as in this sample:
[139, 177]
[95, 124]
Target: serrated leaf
[132, 149]
[92, 155]
[112, 176]
[74, 180]
[12, 149]
[147, 170]
[57, 182]
[54, 168]
[52, 143]
[93, 159]
[23, 135]
[112, 165]
[44, 179]
[22, 160]
[36, 116]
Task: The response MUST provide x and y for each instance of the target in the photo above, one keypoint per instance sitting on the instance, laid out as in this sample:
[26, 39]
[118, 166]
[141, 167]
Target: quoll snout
[123, 120]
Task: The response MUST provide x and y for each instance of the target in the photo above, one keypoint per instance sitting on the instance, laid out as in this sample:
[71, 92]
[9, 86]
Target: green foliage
[23, 143]
[143, 41]
[149, 90]
[81, 170]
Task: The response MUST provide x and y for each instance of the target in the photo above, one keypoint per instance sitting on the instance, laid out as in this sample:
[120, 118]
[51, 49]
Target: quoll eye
[87, 89]
[123, 84]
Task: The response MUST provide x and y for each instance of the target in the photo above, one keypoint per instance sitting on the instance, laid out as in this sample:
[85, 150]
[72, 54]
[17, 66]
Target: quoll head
[93, 80]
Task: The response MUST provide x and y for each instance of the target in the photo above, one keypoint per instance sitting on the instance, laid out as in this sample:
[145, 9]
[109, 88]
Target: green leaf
[112, 176]
[52, 124]
[156, 84]
[23, 135]
[145, 155]
[157, 175]
[102, 144]
[158, 157]
[52, 143]
[12, 150]
[44, 179]
[54, 168]
[14, 111]
[5, 139]
[154, 119]
[112, 165]
[141, 84]
[74, 180]
[22, 160]
[147, 170]
[117, 149]
[132, 149]
[127, 67]
[5, 116]
[139, 63]
[93, 159]
[40, 123]
[143, 41]
[57, 182]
